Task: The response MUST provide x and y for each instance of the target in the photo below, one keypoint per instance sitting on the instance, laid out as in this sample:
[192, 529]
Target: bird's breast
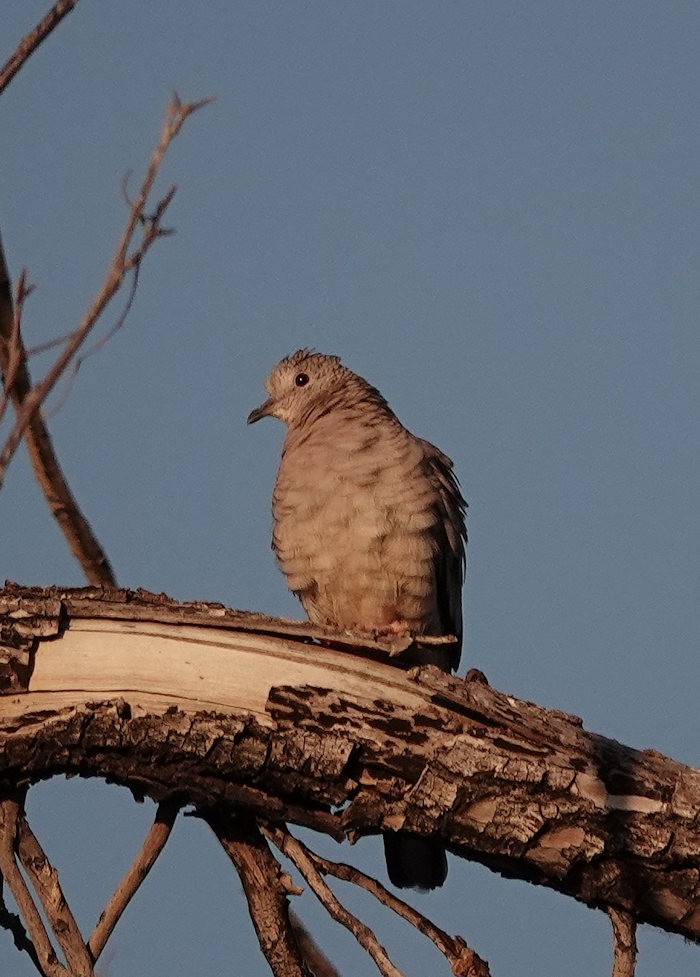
[352, 533]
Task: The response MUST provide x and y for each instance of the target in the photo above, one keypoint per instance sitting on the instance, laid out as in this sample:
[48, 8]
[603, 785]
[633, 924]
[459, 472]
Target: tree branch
[624, 942]
[256, 717]
[152, 846]
[12, 923]
[44, 879]
[45, 955]
[265, 891]
[297, 853]
[47, 469]
[463, 961]
[31, 41]
[124, 262]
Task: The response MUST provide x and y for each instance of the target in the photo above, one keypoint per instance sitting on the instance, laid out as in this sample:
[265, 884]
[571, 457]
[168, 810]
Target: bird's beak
[264, 410]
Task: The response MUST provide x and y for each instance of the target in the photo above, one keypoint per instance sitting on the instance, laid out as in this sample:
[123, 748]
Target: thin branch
[12, 353]
[461, 958]
[297, 853]
[97, 346]
[48, 345]
[12, 923]
[31, 41]
[624, 930]
[48, 472]
[44, 878]
[45, 953]
[123, 263]
[265, 890]
[150, 850]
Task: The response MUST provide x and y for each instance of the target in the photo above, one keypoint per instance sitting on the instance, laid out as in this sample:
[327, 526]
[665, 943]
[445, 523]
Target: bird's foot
[393, 628]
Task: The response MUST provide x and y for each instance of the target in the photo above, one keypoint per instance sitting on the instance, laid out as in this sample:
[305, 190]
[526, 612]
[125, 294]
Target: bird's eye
[301, 379]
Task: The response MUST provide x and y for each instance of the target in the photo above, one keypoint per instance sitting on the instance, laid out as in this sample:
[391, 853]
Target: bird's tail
[413, 862]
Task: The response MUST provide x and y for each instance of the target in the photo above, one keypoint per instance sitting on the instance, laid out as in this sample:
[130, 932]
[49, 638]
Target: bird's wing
[451, 530]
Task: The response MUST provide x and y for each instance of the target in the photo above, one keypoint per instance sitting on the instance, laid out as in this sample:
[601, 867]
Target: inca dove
[368, 529]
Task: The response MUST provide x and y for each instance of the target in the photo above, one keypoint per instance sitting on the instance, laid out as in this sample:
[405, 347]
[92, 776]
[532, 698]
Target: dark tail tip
[414, 863]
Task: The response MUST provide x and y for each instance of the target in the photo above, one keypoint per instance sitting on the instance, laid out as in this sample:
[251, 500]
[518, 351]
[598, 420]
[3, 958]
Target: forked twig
[31, 41]
[300, 856]
[151, 848]
[97, 345]
[123, 263]
[462, 959]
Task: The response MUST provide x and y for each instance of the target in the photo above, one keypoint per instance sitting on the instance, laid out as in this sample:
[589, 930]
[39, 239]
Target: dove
[368, 529]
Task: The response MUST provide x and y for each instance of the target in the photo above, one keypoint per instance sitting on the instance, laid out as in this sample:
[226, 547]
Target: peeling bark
[237, 712]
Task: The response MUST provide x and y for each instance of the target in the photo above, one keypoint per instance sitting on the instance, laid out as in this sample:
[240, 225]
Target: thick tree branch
[257, 718]
[31, 41]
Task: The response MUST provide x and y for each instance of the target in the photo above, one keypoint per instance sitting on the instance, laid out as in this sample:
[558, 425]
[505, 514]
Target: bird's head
[299, 384]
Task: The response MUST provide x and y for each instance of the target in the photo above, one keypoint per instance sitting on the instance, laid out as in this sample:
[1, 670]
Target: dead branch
[258, 718]
[31, 41]
[44, 954]
[143, 863]
[463, 960]
[624, 942]
[13, 363]
[12, 352]
[297, 853]
[44, 879]
[126, 260]
[265, 891]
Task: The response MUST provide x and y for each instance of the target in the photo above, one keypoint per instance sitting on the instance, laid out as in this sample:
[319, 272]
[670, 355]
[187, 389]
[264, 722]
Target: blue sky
[491, 211]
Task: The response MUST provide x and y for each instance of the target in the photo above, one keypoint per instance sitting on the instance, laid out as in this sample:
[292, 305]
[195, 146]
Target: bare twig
[12, 354]
[31, 41]
[123, 263]
[299, 855]
[150, 850]
[265, 890]
[464, 961]
[45, 953]
[48, 472]
[624, 930]
[96, 346]
[44, 878]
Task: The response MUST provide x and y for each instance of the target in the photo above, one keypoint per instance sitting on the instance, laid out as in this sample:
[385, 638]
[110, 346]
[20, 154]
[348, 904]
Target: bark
[265, 892]
[239, 712]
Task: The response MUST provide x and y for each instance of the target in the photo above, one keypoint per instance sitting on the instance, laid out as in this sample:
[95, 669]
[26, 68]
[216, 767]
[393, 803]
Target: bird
[369, 530]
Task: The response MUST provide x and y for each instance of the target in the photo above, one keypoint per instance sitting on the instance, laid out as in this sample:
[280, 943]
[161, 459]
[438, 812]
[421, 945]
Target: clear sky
[491, 211]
